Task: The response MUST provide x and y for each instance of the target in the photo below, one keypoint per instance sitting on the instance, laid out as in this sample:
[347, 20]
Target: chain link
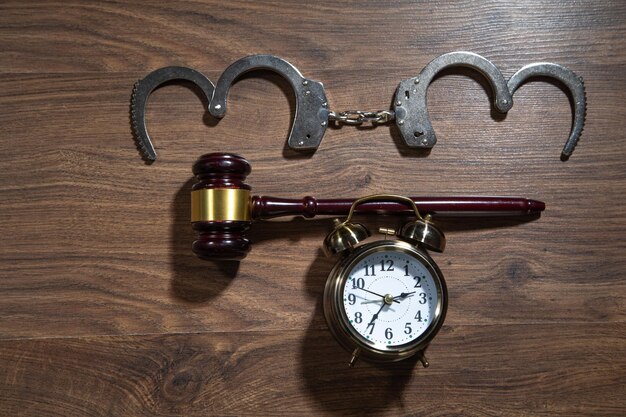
[358, 117]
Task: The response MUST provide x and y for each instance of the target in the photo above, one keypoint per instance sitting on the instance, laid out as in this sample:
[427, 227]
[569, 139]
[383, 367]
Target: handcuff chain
[358, 117]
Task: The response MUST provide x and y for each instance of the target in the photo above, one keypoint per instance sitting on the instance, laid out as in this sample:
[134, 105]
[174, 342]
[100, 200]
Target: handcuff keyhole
[406, 94]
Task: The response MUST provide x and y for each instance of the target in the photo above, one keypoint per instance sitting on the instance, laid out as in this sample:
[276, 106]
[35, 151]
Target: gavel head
[220, 207]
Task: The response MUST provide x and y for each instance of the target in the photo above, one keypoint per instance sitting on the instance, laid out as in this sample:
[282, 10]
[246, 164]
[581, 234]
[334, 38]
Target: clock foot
[423, 360]
[355, 356]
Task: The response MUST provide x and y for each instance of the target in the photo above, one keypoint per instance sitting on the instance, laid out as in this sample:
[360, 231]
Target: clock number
[372, 326]
[352, 299]
[407, 328]
[388, 333]
[422, 297]
[358, 284]
[406, 270]
[389, 265]
[367, 270]
[418, 316]
[358, 317]
[418, 282]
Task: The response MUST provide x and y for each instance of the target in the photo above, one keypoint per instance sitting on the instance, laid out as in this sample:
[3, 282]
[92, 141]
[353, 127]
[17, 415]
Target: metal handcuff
[313, 115]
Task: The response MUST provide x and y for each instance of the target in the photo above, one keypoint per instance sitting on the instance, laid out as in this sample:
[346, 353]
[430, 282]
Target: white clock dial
[390, 298]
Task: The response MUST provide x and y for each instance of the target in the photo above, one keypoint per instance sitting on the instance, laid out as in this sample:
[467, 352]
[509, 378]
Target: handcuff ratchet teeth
[144, 87]
[575, 85]
[313, 114]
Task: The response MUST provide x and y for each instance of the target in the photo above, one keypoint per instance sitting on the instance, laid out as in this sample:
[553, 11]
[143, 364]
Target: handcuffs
[313, 114]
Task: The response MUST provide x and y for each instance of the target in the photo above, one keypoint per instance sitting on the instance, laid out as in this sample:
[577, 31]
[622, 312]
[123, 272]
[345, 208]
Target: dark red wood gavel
[222, 209]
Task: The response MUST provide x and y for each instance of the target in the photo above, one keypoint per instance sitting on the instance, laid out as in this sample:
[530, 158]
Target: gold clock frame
[338, 321]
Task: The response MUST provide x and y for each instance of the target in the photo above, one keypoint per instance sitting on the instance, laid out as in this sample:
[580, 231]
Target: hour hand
[403, 295]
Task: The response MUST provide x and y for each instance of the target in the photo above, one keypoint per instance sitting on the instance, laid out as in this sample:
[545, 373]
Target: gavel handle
[269, 207]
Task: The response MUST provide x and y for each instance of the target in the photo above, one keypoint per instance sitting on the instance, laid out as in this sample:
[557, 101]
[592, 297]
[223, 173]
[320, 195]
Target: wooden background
[104, 310]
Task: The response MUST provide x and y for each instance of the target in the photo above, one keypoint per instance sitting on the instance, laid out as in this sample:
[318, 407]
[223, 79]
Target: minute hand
[372, 292]
[403, 295]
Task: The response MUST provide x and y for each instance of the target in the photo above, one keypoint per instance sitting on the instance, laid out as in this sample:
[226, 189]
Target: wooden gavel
[222, 209]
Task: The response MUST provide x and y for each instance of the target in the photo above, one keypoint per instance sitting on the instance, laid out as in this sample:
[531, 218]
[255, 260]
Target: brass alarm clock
[385, 300]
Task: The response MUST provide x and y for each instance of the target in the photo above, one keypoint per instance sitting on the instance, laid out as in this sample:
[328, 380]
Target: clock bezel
[337, 318]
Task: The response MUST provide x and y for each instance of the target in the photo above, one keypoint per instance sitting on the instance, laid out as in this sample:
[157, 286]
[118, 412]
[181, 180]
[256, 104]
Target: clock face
[390, 298]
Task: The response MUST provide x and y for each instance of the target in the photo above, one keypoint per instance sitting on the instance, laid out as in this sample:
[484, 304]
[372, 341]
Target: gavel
[222, 210]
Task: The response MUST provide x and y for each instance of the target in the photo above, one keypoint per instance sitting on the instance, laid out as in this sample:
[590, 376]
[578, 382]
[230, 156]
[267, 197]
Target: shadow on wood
[335, 387]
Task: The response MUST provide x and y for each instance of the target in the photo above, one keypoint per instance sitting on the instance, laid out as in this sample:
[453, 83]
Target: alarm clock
[385, 300]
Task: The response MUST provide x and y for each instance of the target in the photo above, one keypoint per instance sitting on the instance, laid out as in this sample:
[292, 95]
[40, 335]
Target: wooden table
[105, 311]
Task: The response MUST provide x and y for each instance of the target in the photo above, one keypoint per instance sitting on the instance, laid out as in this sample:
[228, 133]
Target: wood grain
[478, 370]
[104, 310]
